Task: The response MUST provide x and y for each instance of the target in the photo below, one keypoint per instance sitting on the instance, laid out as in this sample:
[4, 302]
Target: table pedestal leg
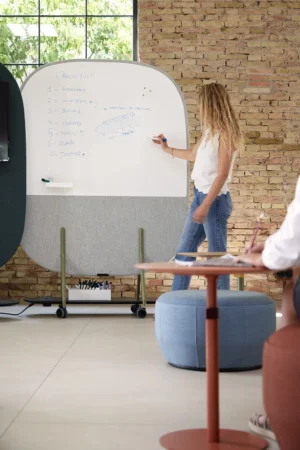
[212, 361]
[212, 438]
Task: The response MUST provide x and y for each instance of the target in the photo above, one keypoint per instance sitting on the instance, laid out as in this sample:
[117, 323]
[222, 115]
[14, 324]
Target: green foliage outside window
[49, 37]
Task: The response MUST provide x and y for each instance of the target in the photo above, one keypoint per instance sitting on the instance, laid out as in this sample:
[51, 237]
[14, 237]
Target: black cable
[11, 314]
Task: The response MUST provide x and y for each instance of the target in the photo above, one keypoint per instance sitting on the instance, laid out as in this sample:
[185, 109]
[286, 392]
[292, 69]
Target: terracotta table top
[207, 254]
[177, 269]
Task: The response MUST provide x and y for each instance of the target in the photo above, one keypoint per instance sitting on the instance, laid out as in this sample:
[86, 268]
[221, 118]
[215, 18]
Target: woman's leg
[215, 227]
[290, 309]
[192, 236]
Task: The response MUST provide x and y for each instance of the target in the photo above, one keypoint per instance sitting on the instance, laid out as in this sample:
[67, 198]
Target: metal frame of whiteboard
[102, 231]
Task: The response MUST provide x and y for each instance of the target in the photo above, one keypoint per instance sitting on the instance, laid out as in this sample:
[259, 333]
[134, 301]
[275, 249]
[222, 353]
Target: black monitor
[4, 104]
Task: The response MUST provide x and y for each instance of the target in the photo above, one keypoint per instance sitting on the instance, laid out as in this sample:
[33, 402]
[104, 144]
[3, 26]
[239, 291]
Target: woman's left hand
[201, 213]
[252, 258]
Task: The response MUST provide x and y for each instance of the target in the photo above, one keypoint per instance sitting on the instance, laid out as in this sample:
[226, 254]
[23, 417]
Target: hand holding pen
[253, 254]
[257, 248]
[256, 233]
[162, 140]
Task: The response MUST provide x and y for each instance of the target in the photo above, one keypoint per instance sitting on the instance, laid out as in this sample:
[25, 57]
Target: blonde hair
[217, 114]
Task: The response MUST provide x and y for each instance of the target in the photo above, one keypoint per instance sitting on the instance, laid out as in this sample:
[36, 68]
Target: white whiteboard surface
[89, 123]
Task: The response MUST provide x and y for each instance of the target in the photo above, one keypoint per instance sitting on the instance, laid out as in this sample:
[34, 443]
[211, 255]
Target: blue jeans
[194, 234]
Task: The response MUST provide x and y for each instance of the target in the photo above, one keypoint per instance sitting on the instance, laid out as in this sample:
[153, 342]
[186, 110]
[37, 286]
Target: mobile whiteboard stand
[138, 308]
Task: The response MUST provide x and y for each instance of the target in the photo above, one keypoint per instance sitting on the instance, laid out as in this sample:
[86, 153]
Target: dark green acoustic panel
[12, 172]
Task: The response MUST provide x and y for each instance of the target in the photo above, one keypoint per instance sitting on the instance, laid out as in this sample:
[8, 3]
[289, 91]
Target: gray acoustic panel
[102, 232]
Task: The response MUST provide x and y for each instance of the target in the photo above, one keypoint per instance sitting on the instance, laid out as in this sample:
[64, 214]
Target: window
[36, 32]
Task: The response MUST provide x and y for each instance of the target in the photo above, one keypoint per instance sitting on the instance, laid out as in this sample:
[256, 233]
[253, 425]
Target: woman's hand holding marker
[188, 154]
[162, 140]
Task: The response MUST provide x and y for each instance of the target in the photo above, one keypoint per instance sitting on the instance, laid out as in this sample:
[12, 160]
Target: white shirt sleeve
[282, 249]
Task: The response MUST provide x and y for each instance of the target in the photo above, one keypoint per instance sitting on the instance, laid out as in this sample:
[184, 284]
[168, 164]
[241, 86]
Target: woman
[214, 159]
[281, 251]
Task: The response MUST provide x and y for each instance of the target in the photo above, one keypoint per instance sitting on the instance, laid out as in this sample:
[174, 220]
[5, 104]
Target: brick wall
[252, 47]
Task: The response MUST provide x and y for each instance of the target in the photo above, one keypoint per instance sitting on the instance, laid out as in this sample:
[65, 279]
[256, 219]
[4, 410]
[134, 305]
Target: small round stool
[247, 319]
[281, 377]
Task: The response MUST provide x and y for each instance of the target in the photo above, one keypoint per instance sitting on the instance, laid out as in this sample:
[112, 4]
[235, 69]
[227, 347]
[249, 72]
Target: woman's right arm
[187, 155]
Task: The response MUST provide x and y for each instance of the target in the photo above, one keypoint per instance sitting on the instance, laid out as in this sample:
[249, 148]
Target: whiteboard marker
[156, 139]
[45, 181]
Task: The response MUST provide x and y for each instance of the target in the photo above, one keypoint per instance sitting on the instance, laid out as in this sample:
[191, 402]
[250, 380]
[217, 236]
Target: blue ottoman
[246, 320]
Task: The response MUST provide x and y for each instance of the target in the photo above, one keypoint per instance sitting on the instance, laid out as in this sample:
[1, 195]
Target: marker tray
[89, 294]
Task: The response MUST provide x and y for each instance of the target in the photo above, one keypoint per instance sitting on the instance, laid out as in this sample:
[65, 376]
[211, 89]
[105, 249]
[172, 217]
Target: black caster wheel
[62, 313]
[141, 313]
[134, 308]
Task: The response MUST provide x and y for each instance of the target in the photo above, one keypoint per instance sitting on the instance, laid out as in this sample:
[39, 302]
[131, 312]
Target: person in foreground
[281, 251]
[214, 158]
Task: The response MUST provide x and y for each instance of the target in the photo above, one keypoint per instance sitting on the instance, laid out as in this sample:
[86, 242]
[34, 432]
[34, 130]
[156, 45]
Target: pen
[256, 231]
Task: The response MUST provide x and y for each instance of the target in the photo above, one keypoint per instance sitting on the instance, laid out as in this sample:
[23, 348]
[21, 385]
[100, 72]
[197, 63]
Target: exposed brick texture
[252, 47]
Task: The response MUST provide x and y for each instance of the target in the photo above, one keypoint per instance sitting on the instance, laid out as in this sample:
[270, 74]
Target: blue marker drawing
[68, 133]
[79, 101]
[70, 89]
[123, 125]
[74, 100]
[62, 75]
[72, 123]
[71, 142]
[68, 111]
[69, 154]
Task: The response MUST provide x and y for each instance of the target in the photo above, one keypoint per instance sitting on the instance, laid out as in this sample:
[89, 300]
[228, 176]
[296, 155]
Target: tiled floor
[100, 382]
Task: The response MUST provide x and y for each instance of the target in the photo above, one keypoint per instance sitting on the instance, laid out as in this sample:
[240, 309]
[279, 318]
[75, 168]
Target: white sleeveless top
[205, 168]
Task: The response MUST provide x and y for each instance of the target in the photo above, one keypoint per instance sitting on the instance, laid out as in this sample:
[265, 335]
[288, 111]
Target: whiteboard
[123, 182]
[89, 124]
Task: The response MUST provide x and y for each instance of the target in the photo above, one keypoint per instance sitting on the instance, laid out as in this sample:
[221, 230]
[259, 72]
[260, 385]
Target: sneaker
[260, 424]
